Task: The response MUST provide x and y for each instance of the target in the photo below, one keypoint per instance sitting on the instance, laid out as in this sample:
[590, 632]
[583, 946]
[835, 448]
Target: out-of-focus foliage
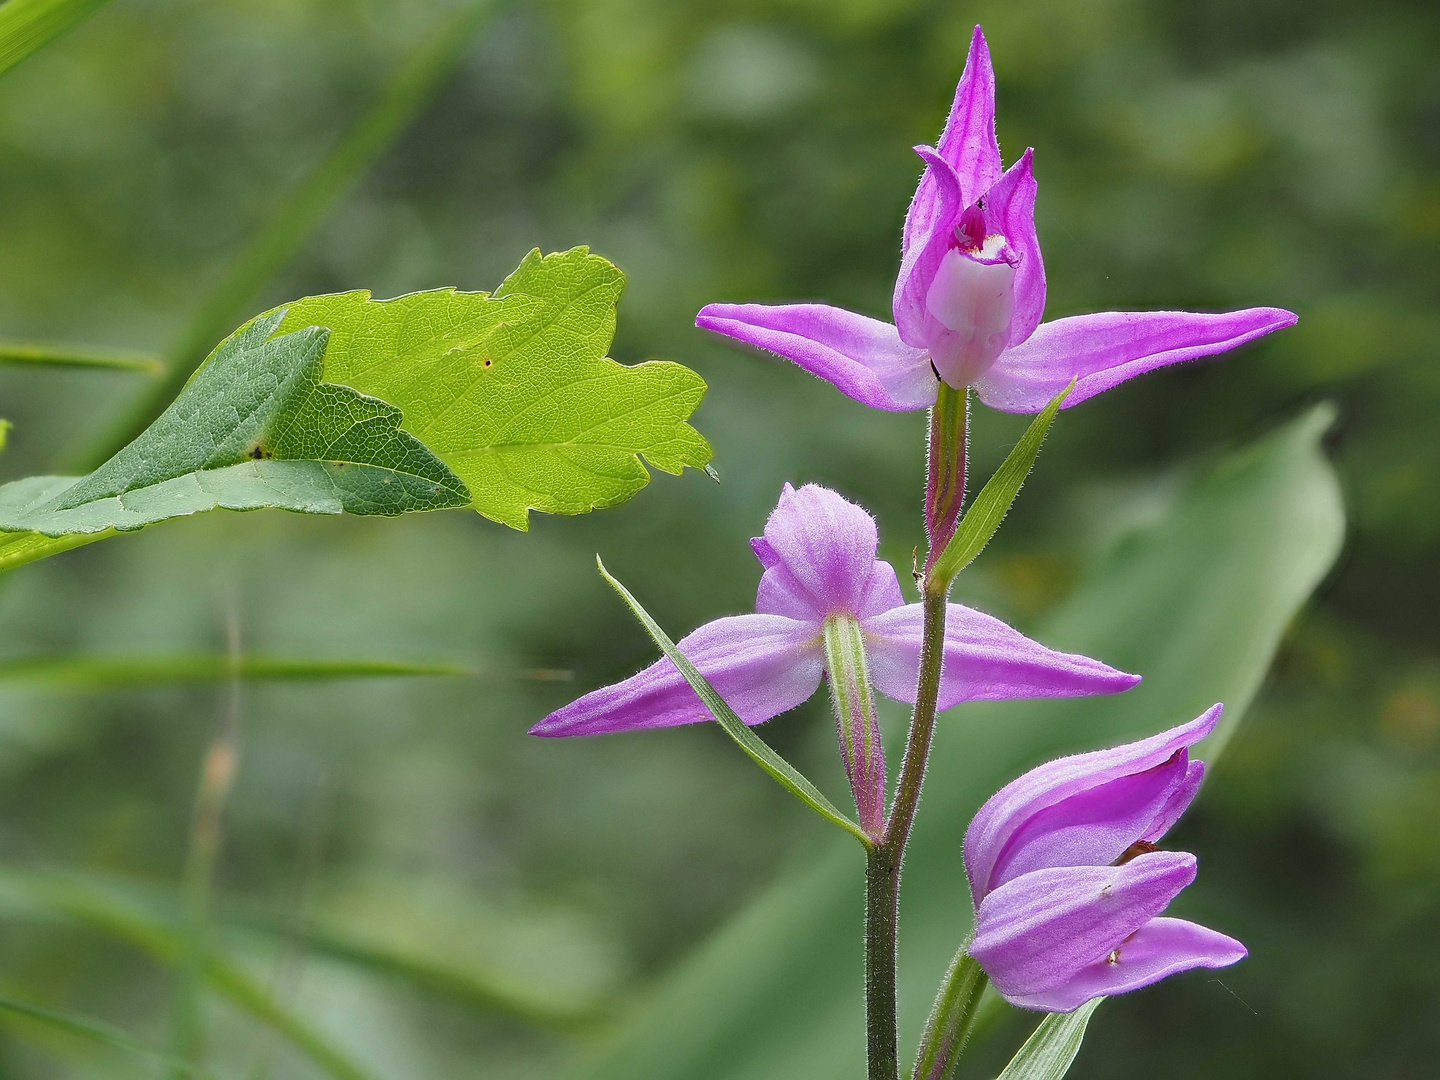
[1208, 154]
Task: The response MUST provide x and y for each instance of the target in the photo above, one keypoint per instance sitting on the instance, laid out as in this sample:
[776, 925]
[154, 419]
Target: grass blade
[149, 929]
[1047, 1054]
[28, 25]
[408, 91]
[102, 672]
[996, 497]
[465, 987]
[14, 352]
[781, 770]
[94, 1031]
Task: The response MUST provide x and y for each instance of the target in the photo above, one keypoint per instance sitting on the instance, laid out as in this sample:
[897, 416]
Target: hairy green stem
[952, 1018]
[882, 909]
[948, 425]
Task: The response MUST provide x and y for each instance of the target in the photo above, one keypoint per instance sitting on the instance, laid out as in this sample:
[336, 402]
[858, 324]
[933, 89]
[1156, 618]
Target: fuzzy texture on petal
[1107, 348]
[1096, 826]
[1042, 929]
[1013, 806]
[1160, 948]
[1179, 801]
[863, 357]
[1010, 211]
[762, 665]
[922, 261]
[819, 557]
[985, 660]
[968, 143]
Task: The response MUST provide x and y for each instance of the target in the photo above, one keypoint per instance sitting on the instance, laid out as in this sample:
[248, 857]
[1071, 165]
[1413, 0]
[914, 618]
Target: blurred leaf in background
[1206, 155]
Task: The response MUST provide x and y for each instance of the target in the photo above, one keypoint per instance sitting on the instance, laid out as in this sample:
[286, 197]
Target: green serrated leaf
[254, 428]
[1047, 1054]
[988, 510]
[301, 211]
[513, 391]
[28, 25]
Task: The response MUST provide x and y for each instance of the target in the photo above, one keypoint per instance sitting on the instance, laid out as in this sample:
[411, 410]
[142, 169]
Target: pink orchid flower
[819, 554]
[1069, 885]
[971, 294]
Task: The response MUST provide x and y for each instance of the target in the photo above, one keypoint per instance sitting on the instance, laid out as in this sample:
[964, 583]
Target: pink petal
[985, 660]
[1010, 808]
[1160, 948]
[968, 142]
[1010, 210]
[762, 665]
[1041, 930]
[1104, 349]
[1180, 799]
[1094, 827]
[863, 357]
[819, 557]
[922, 260]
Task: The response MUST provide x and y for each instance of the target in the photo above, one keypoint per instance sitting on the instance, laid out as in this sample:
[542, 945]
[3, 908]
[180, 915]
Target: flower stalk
[945, 493]
[945, 486]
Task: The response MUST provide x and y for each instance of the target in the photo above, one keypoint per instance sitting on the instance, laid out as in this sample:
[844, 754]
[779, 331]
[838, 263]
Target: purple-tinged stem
[945, 492]
[945, 485]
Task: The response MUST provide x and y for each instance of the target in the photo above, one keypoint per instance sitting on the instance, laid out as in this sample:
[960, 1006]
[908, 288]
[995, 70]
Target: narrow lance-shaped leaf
[255, 428]
[514, 391]
[86, 672]
[101, 359]
[28, 25]
[94, 1031]
[1047, 1054]
[781, 770]
[109, 911]
[996, 497]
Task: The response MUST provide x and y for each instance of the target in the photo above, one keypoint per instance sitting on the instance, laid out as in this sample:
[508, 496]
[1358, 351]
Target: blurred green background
[1207, 154]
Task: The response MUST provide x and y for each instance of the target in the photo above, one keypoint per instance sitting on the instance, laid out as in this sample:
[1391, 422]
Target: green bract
[437, 399]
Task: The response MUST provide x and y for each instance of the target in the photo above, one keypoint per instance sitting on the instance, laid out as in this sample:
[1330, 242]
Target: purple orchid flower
[819, 554]
[971, 292]
[1069, 885]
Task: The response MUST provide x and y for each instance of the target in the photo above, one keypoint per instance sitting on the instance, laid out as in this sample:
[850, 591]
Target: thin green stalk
[882, 910]
[307, 207]
[952, 1018]
[945, 481]
[885, 861]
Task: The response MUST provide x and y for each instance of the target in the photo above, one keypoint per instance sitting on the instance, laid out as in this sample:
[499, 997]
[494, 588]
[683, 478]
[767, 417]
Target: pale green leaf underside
[1047, 1054]
[254, 428]
[513, 391]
